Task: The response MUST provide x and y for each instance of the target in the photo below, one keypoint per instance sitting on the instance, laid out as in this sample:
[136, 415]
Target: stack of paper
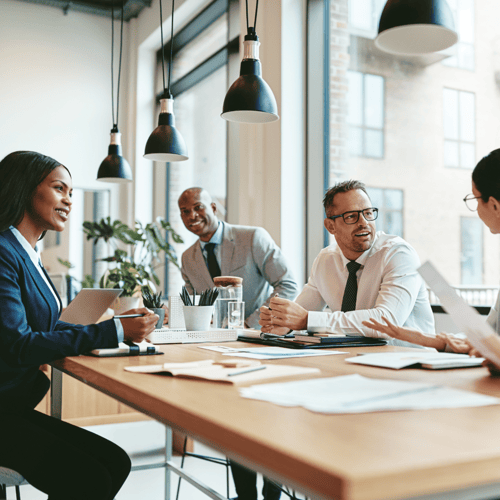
[357, 394]
[425, 359]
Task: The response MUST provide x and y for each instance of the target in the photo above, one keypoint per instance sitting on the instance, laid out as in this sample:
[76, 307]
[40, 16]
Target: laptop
[89, 305]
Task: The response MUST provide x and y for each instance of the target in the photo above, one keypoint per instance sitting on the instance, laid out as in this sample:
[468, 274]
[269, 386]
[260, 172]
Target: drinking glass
[236, 315]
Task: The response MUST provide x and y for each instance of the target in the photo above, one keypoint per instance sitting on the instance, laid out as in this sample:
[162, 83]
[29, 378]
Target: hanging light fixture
[115, 168]
[250, 99]
[166, 142]
[415, 27]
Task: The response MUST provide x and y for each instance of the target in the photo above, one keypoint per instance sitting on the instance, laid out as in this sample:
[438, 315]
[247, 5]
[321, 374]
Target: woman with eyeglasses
[485, 198]
[64, 461]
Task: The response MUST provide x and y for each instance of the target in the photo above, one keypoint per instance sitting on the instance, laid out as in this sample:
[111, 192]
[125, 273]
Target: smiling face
[199, 213]
[488, 211]
[352, 239]
[50, 205]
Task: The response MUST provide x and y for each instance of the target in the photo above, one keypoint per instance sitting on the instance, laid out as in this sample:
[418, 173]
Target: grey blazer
[250, 253]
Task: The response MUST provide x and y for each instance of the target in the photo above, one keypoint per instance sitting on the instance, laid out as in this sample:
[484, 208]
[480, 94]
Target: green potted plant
[136, 268]
[153, 301]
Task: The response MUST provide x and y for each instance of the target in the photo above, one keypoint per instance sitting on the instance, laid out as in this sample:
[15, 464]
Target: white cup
[197, 318]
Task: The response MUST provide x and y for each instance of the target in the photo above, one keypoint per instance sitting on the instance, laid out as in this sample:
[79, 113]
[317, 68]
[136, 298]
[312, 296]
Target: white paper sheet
[398, 360]
[269, 352]
[478, 332]
[358, 394]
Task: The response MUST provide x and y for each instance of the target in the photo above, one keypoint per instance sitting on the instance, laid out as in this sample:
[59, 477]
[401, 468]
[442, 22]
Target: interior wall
[55, 90]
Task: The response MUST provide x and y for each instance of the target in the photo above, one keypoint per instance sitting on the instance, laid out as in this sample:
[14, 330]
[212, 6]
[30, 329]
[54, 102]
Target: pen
[247, 370]
[121, 316]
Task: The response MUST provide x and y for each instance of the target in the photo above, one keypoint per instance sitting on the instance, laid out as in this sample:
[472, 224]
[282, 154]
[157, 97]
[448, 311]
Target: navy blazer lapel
[227, 249]
[33, 271]
[202, 266]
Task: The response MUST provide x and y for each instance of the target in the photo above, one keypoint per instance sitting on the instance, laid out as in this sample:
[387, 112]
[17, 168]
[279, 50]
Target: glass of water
[236, 315]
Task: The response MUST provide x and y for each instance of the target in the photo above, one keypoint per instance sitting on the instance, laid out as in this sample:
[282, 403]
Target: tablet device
[89, 305]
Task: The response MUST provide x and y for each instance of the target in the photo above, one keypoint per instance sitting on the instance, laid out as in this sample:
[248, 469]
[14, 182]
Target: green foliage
[137, 268]
[151, 300]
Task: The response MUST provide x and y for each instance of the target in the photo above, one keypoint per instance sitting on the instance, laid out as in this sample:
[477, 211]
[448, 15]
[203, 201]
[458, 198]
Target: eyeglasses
[471, 202]
[352, 217]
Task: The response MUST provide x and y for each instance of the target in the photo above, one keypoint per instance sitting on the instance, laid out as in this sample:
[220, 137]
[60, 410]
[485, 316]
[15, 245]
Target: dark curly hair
[486, 176]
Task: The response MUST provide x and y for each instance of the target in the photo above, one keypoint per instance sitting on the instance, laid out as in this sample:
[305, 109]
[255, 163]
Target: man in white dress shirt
[366, 274]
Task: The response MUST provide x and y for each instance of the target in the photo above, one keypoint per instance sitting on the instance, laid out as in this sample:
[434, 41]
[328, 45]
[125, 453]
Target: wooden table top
[369, 456]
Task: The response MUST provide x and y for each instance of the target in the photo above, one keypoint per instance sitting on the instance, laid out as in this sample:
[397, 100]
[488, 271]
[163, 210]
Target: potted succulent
[153, 301]
[136, 268]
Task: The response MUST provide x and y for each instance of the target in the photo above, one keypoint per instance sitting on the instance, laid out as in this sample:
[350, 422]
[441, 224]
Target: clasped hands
[281, 316]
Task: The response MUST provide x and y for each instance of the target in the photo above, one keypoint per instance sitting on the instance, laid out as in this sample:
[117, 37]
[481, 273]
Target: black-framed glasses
[471, 202]
[351, 217]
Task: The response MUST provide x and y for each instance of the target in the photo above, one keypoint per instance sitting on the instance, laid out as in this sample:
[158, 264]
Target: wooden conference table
[431, 454]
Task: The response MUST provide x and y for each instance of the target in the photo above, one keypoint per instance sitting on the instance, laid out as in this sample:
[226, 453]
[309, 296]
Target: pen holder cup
[198, 318]
[161, 313]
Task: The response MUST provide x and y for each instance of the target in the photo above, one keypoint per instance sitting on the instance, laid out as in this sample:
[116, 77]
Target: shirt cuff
[317, 321]
[120, 335]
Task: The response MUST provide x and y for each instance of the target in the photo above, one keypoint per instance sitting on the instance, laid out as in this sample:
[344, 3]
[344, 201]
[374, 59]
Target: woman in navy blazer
[64, 461]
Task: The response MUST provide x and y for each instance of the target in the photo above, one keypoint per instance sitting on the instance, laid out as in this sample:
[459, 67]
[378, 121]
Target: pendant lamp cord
[166, 89]
[255, 20]
[115, 123]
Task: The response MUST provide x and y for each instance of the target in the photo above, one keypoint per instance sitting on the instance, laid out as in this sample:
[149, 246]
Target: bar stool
[9, 477]
[222, 461]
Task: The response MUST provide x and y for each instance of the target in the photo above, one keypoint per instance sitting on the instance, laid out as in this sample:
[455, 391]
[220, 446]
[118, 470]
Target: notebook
[340, 341]
[89, 305]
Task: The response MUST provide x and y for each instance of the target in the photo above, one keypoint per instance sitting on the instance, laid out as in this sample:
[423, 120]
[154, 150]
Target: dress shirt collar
[34, 253]
[216, 238]
[364, 256]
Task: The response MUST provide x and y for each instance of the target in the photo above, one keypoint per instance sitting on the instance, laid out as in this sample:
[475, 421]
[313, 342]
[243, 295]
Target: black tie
[351, 287]
[213, 266]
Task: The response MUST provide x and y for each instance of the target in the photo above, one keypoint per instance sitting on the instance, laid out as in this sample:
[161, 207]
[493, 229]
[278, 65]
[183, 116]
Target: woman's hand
[460, 346]
[165, 319]
[136, 329]
[406, 334]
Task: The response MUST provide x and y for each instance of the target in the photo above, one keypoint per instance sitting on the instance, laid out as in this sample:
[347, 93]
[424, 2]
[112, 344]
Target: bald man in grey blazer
[244, 251]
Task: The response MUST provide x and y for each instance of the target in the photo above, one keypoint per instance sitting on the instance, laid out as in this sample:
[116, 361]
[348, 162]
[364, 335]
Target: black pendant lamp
[166, 142]
[416, 27]
[250, 99]
[115, 168]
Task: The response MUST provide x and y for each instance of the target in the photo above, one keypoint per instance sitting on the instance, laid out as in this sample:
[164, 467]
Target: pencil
[247, 370]
[122, 316]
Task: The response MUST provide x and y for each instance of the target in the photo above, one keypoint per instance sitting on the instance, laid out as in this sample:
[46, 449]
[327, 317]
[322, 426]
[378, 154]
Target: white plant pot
[198, 318]
[122, 304]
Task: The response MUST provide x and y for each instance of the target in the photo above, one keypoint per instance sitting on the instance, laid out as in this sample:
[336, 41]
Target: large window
[429, 134]
[459, 128]
[199, 83]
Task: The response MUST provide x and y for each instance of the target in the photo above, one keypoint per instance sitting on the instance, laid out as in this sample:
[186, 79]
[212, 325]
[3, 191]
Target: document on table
[479, 333]
[430, 360]
[358, 394]
[267, 352]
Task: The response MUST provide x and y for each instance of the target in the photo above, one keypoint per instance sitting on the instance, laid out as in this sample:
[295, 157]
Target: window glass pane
[465, 20]
[450, 113]
[377, 197]
[394, 223]
[355, 98]
[374, 143]
[467, 116]
[374, 101]
[451, 154]
[472, 251]
[466, 56]
[204, 45]
[467, 155]
[361, 14]
[394, 199]
[355, 141]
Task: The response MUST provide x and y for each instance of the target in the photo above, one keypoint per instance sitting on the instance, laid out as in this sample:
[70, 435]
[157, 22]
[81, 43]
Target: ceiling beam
[131, 8]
